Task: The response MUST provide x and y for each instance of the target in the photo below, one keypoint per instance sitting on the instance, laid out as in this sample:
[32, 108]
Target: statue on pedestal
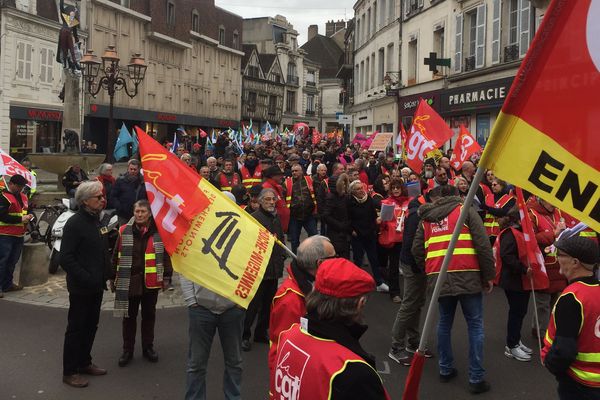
[69, 46]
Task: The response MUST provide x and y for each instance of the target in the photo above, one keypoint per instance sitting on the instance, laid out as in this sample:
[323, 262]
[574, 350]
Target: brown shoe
[14, 287]
[75, 380]
[93, 370]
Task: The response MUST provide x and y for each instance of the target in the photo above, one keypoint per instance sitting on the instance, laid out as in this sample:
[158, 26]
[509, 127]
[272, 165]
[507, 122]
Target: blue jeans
[362, 245]
[472, 308]
[295, 228]
[203, 325]
[10, 251]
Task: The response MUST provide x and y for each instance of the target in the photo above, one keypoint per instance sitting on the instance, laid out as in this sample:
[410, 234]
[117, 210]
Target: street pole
[110, 146]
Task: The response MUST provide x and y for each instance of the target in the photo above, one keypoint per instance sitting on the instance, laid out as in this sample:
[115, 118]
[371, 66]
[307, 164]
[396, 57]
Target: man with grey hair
[261, 303]
[213, 169]
[84, 256]
[289, 301]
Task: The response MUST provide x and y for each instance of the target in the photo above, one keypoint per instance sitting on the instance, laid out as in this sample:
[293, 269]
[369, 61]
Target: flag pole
[429, 319]
[287, 250]
[535, 313]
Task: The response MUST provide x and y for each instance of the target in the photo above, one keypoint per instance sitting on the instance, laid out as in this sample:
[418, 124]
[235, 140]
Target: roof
[266, 61]
[247, 49]
[325, 51]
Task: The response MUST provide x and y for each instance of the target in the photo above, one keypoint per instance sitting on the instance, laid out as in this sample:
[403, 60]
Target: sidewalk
[54, 294]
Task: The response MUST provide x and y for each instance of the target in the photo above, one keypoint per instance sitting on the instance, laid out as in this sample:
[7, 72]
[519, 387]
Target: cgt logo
[290, 368]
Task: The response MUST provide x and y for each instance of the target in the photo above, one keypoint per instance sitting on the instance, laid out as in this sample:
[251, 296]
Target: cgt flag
[428, 132]
[464, 148]
[210, 239]
[9, 167]
[533, 144]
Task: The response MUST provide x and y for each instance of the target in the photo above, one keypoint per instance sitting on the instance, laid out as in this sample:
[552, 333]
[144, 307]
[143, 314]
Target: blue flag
[135, 147]
[121, 149]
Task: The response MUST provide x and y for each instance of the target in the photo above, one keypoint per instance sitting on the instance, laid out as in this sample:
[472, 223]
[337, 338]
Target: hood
[435, 212]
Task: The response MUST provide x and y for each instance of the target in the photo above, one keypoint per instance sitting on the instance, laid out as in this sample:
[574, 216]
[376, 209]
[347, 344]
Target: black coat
[84, 254]
[338, 223]
[70, 177]
[125, 193]
[511, 277]
[363, 217]
[411, 224]
[273, 224]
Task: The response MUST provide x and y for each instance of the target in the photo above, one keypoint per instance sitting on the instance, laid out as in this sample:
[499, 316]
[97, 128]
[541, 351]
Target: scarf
[124, 268]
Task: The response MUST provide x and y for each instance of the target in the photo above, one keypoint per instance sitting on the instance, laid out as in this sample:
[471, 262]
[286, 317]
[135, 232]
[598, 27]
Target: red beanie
[338, 277]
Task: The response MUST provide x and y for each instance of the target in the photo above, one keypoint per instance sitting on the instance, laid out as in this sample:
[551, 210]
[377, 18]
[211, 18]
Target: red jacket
[282, 210]
[287, 308]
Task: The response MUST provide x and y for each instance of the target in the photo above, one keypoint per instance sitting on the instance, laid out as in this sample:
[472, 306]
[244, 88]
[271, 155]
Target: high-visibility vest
[288, 187]
[586, 367]
[552, 220]
[151, 278]
[431, 183]
[14, 210]
[228, 183]
[490, 222]
[437, 238]
[306, 366]
[249, 180]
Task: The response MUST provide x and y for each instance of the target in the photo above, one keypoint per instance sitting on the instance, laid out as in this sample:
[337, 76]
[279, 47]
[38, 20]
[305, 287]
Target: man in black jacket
[84, 256]
[261, 303]
[128, 189]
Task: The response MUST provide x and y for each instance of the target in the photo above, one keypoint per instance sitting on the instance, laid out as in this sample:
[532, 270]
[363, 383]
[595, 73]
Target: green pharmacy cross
[433, 61]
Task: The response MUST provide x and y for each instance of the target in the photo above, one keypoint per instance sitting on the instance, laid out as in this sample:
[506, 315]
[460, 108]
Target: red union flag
[427, 133]
[545, 138]
[464, 148]
[9, 167]
[173, 203]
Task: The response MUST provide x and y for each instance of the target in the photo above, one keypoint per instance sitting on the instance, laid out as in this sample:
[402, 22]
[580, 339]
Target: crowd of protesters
[353, 203]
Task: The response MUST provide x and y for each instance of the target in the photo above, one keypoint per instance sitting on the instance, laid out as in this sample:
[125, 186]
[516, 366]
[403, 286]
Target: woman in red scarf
[108, 180]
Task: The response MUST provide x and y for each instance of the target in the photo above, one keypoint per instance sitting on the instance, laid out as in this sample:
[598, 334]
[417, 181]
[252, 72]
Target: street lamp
[112, 80]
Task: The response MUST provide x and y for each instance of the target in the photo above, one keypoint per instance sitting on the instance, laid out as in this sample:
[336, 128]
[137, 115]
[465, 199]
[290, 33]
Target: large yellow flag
[211, 240]
[545, 139]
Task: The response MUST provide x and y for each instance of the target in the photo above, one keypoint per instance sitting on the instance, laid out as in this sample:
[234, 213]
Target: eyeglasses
[99, 197]
[320, 260]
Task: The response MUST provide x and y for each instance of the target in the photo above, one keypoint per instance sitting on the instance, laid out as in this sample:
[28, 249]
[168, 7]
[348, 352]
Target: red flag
[411, 388]
[428, 132]
[316, 137]
[172, 190]
[464, 148]
[534, 259]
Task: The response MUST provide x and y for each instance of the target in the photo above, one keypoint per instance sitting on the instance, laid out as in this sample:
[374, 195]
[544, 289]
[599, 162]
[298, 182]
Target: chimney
[313, 31]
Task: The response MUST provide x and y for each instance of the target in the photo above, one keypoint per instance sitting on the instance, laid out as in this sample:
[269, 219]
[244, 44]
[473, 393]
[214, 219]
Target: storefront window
[483, 128]
[33, 137]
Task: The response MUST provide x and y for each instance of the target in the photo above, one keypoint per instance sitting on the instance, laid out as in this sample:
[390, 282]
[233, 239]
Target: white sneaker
[383, 288]
[524, 348]
[516, 353]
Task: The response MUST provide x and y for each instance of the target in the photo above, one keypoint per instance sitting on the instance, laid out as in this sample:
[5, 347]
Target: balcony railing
[310, 112]
[511, 53]
[311, 83]
[469, 63]
[293, 80]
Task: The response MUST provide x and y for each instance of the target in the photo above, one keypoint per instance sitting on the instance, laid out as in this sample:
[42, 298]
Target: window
[368, 35]
[251, 101]
[357, 71]
[412, 6]
[170, 13]
[438, 42]
[392, 10]
[222, 35]
[24, 54]
[272, 105]
[276, 78]
[236, 39]
[367, 74]
[513, 25]
[290, 105]
[253, 71]
[310, 78]
[412, 61]
[195, 21]
[310, 104]
[382, 11]
[372, 70]
[125, 3]
[470, 38]
[391, 66]
[46, 65]
[292, 74]
[374, 17]
[358, 26]
[380, 66]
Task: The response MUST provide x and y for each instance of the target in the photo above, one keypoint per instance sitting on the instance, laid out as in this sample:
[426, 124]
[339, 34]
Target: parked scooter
[108, 219]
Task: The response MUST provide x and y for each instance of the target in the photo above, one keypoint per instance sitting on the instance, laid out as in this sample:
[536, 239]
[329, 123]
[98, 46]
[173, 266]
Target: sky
[301, 13]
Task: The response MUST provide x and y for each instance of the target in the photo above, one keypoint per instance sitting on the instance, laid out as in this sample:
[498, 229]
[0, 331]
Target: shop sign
[166, 117]
[408, 104]
[44, 115]
[480, 96]
[22, 130]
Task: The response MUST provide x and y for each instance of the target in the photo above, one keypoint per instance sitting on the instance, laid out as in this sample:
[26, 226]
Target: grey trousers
[544, 302]
[406, 325]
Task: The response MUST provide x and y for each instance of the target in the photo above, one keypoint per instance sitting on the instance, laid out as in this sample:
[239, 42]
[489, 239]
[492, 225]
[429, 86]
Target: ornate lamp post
[112, 79]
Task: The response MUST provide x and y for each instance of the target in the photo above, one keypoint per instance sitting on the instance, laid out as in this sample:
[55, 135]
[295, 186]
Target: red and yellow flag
[544, 138]
[210, 239]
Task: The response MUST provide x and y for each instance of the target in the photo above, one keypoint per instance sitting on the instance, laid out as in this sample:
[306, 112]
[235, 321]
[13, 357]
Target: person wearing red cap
[322, 357]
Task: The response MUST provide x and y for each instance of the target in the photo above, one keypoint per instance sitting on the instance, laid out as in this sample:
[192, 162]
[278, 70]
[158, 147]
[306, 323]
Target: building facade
[376, 62]
[275, 35]
[30, 78]
[193, 52]
[485, 41]
[262, 88]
